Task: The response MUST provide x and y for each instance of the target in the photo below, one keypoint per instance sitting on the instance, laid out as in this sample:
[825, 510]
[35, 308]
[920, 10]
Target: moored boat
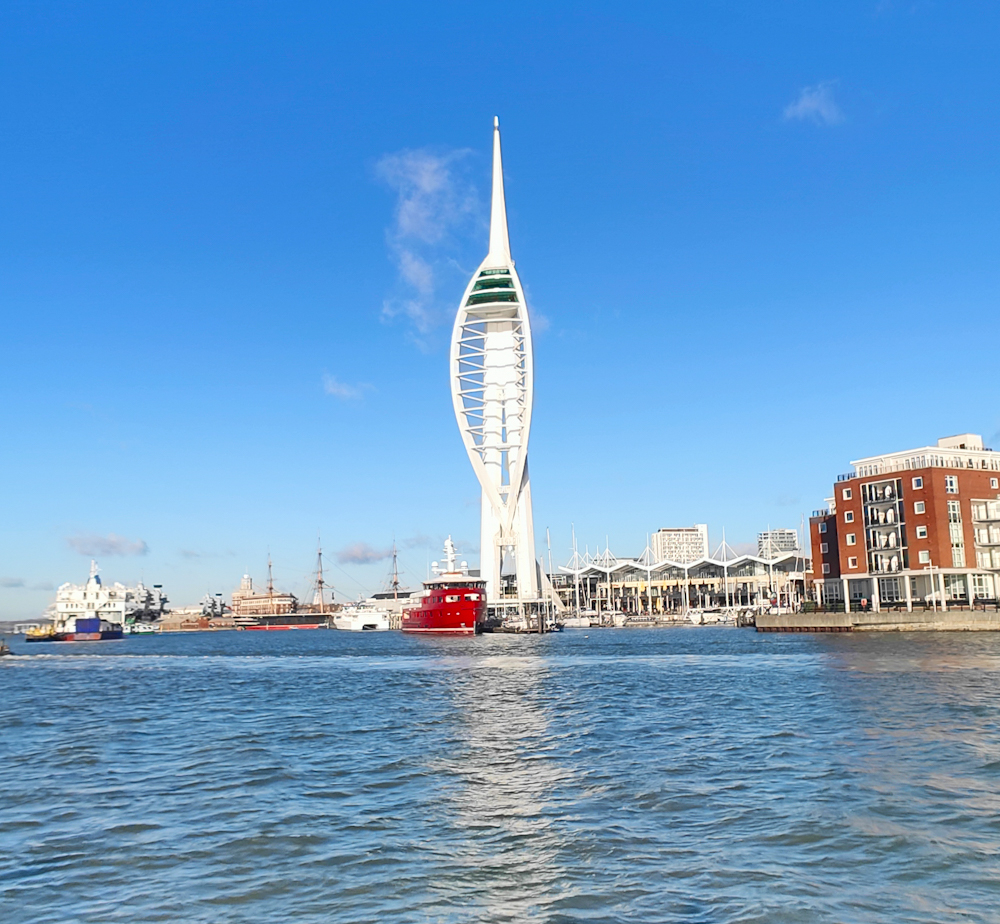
[289, 621]
[362, 616]
[451, 603]
[76, 629]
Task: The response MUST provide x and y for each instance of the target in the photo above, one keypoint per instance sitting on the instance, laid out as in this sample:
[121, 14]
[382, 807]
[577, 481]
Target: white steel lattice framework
[491, 386]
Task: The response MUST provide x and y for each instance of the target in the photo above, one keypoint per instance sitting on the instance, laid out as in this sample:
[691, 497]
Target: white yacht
[363, 616]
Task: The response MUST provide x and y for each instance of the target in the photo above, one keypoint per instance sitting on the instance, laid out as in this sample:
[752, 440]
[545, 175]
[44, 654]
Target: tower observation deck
[492, 391]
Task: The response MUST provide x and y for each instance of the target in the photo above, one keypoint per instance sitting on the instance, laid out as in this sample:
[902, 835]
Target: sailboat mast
[270, 587]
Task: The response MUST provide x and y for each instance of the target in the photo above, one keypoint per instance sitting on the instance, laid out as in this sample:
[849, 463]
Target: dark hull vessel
[290, 621]
[77, 630]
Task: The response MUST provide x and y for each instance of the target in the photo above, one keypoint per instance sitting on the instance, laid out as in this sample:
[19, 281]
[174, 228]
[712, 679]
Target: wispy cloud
[106, 546]
[434, 201]
[333, 386]
[816, 104]
[11, 582]
[361, 553]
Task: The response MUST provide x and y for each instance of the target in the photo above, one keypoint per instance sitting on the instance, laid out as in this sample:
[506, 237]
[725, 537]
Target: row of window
[950, 486]
[918, 507]
[923, 556]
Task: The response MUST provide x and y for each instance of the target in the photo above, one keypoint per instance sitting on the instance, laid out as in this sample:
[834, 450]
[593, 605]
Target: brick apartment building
[920, 527]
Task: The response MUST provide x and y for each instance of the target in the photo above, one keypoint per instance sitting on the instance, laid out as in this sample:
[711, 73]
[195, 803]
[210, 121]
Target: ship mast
[320, 583]
[270, 587]
[395, 573]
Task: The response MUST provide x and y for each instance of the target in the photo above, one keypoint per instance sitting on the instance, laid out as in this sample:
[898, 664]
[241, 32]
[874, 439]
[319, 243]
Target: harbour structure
[115, 603]
[248, 602]
[680, 543]
[492, 392]
[644, 585]
[920, 527]
[774, 541]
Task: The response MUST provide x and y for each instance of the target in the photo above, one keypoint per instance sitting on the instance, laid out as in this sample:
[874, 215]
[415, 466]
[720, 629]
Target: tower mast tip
[496, 121]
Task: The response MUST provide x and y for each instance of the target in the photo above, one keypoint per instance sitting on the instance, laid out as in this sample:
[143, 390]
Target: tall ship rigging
[277, 610]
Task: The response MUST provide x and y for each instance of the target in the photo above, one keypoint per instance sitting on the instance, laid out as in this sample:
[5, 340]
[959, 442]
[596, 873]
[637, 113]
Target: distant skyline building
[492, 391]
[115, 603]
[680, 544]
[270, 602]
[773, 542]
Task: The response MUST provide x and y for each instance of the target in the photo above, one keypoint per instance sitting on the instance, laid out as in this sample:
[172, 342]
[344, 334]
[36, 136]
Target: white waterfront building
[492, 391]
[115, 603]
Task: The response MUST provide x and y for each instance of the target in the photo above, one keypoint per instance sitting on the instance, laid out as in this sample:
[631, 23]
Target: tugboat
[452, 603]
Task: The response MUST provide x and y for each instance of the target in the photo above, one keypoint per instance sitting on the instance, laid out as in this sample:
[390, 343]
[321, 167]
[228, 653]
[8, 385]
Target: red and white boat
[451, 603]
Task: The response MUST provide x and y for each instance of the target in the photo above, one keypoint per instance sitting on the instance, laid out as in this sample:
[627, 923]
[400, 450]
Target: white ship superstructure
[116, 603]
[492, 390]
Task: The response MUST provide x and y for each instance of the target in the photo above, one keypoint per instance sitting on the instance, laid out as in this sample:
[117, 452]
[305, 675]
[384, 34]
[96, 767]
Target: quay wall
[951, 621]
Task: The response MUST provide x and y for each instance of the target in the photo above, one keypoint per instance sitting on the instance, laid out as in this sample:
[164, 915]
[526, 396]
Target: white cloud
[435, 203]
[104, 546]
[816, 104]
[333, 386]
[361, 553]
[431, 199]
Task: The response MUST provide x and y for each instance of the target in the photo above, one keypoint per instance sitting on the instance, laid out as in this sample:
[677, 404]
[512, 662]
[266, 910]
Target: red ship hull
[448, 610]
[271, 628]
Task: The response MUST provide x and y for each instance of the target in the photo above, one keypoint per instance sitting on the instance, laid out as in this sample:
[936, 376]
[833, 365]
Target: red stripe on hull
[273, 628]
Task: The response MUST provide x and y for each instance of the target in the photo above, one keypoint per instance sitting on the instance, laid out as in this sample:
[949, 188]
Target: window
[918, 483]
[848, 516]
[847, 494]
[452, 598]
[951, 484]
[994, 483]
[852, 562]
[921, 532]
[472, 596]
[924, 557]
[824, 547]
[851, 540]
[919, 507]
[822, 527]
[826, 569]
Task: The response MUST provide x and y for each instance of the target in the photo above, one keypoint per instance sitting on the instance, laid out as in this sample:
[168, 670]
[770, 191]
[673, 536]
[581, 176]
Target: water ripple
[703, 774]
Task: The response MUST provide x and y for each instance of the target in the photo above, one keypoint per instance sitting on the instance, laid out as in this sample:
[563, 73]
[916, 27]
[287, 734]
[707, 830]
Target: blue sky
[758, 241]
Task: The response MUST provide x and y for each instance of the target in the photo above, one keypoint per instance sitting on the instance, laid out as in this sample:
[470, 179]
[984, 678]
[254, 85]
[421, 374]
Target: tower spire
[499, 241]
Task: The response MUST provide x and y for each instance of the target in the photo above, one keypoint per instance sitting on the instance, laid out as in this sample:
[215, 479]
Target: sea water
[687, 774]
